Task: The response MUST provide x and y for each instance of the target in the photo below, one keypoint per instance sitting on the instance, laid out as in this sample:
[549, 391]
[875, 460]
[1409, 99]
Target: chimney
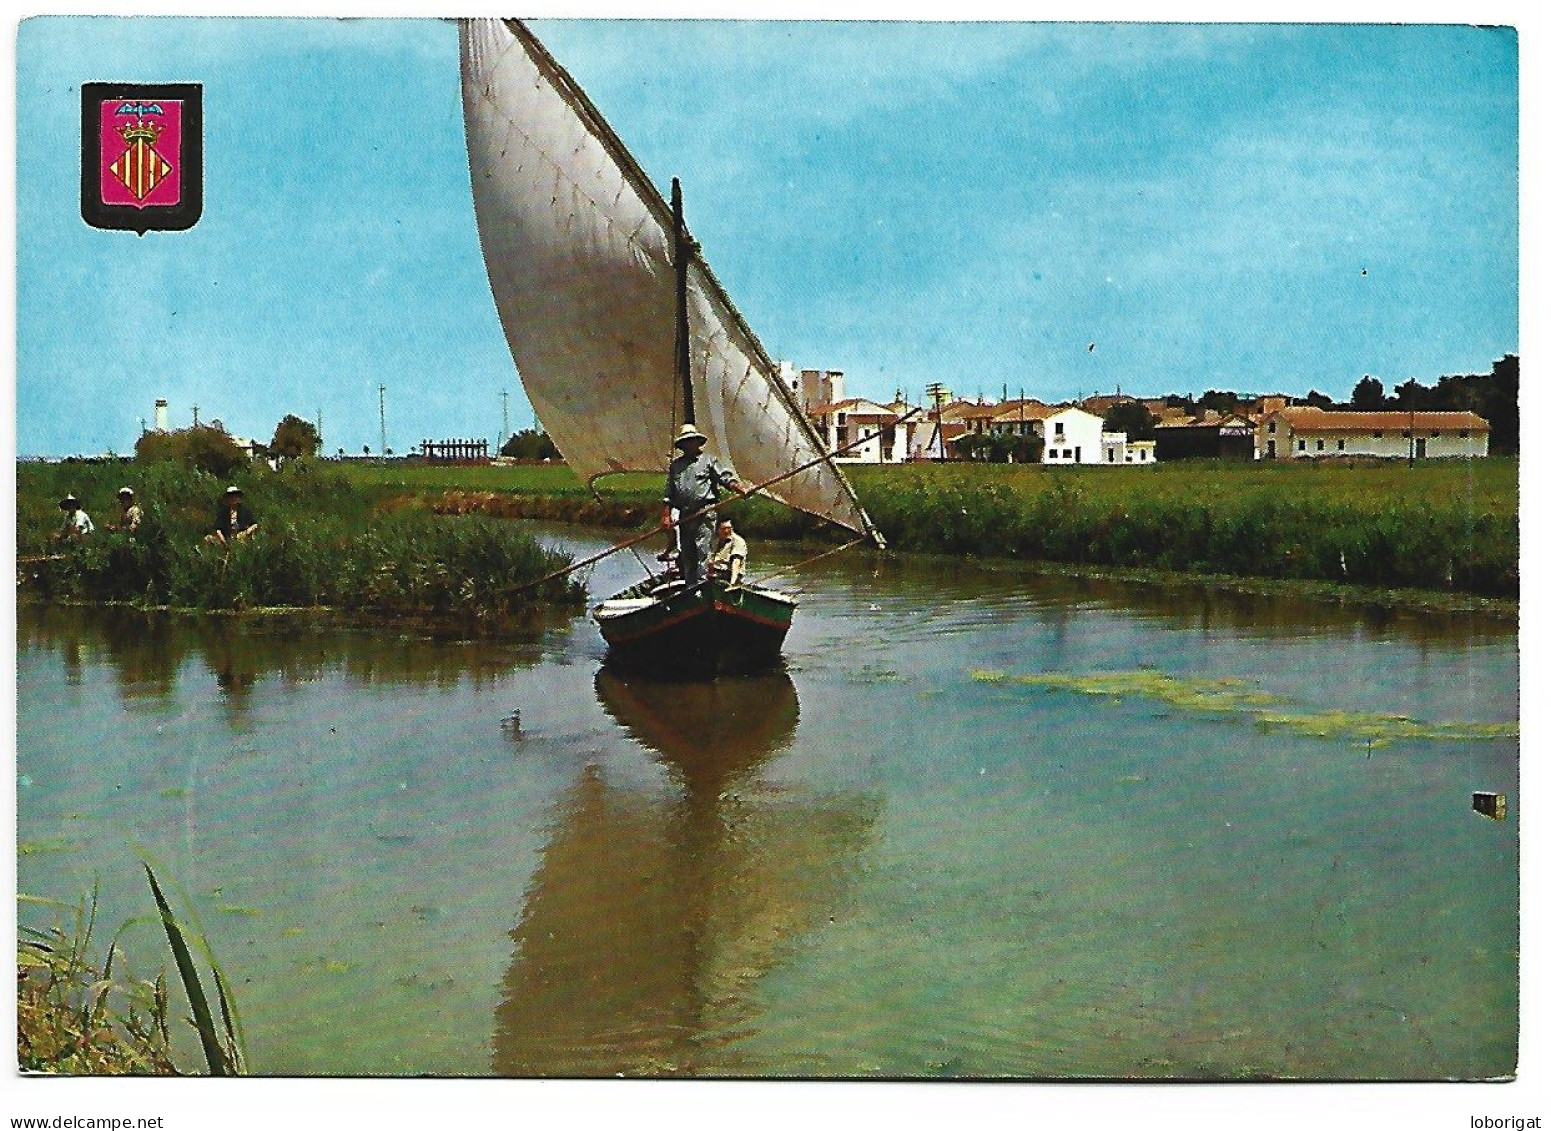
[161, 414]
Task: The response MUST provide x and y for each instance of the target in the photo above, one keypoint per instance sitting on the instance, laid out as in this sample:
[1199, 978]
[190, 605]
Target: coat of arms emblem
[141, 159]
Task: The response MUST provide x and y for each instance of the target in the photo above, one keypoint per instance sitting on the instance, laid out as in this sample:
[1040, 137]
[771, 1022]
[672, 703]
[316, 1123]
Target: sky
[1054, 209]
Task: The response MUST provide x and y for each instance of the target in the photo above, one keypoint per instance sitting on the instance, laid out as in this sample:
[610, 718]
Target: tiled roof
[849, 405]
[979, 411]
[1209, 419]
[1099, 405]
[1012, 412]
[1313, 419]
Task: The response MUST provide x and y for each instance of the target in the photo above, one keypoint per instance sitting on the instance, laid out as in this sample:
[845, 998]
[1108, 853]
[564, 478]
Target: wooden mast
[681, 252]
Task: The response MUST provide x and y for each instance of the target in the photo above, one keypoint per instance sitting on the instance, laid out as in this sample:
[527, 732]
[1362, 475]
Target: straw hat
[687, 433]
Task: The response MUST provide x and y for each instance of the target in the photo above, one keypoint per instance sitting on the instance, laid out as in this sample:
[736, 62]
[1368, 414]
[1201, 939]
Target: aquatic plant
[1238, 696]
[1193, 694]
[1381, 730]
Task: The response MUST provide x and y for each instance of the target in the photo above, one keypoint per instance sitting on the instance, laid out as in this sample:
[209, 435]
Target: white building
[1141, 451]
[1306, 432]
[1073, 436]
[870, 432]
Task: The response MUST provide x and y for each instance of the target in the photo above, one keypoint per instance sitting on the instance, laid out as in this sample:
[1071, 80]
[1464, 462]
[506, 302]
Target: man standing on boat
[695, 481]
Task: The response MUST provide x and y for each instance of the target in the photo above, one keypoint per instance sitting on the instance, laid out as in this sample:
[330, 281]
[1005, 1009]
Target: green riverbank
[1440, 534]
[325, 540]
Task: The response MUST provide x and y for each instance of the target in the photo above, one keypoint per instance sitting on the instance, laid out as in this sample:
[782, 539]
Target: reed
[323, 541]
[80, 1016]
[1445, 525]
[221, 1046]
[1452, 528]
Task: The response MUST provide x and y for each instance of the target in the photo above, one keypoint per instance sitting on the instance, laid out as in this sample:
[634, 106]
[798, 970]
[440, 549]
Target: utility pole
[936, 392]
[1022, 448]
[382, 420]
[319, 445]
[196, 416]
[505, 428]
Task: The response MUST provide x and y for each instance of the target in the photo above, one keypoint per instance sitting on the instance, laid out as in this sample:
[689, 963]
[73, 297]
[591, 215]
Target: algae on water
[1241, 697]
[1381, 730]
[1194, 694]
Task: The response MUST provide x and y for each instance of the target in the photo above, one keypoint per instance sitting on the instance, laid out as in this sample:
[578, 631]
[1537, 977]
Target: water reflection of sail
[653, 915]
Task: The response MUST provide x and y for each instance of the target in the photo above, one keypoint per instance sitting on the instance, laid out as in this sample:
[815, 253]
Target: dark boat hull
[712, 628]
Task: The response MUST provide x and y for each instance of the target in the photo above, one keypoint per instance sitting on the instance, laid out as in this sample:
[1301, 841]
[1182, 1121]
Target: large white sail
[579, 247]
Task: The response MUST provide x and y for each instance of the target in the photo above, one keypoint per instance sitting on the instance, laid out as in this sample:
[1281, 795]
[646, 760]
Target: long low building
[1305, 432]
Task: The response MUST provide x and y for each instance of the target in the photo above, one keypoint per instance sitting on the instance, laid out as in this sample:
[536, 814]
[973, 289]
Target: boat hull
[712, 628]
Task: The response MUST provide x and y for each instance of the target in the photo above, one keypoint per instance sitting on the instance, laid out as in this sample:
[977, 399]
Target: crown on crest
[140, 130]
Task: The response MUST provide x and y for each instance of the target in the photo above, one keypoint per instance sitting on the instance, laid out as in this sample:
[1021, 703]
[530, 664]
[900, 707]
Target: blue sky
[1261, 208]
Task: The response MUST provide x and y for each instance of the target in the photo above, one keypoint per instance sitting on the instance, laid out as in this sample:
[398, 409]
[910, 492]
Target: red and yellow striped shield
[142, 155]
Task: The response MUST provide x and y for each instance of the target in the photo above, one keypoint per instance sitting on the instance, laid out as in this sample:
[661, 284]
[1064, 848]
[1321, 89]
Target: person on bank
[129, 512]
[234, 522]
[731, 555]
[77, 524]
[695, 481]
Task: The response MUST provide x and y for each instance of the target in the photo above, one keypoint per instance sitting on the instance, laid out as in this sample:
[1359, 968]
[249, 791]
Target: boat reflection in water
[653, 914]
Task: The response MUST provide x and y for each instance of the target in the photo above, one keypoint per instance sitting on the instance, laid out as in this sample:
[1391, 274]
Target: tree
[529, 444]
[1502, 405]
[972, 446]
[1216, 401]
[207, 448]
[294, 438]
[1132, 418]
[1318, 400]
[1368, 395]
[1411, 395]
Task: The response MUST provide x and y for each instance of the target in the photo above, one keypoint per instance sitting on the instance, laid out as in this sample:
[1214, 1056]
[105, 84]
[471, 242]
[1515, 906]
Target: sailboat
[621, 333]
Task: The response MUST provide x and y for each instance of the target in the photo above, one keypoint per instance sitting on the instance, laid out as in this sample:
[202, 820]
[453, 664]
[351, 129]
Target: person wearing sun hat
[78, 523]
[695, 482]
[129, 511]
[234, 522]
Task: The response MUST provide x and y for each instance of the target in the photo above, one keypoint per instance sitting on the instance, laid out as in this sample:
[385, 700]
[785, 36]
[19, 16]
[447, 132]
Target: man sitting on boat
[695, 482]
[732, 554]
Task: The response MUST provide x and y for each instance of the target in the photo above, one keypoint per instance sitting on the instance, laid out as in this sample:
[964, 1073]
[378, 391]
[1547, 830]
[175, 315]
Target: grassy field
[1448, 526]
[1488, 484]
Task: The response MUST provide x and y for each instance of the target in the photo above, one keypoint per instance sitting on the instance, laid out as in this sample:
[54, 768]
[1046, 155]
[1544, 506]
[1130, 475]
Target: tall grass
[322, 541]
[1442, 534]
[1446, 525]
[78, 1015]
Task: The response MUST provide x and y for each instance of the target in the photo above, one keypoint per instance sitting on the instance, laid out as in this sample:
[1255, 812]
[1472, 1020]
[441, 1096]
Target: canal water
[983, 823]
